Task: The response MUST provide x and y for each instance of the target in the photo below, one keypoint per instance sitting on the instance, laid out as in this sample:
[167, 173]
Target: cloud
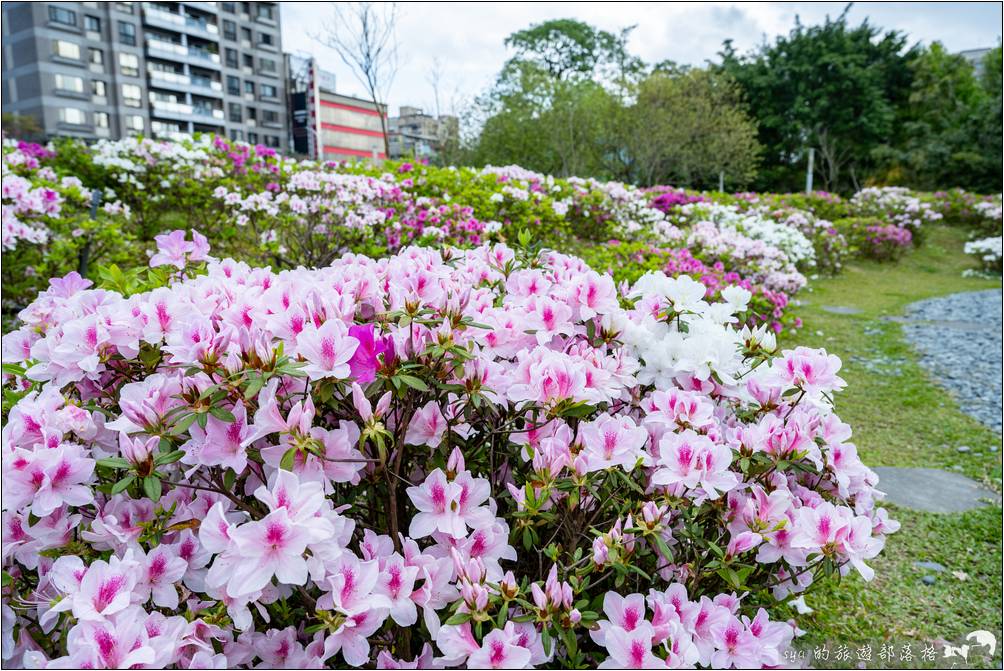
[469, 37]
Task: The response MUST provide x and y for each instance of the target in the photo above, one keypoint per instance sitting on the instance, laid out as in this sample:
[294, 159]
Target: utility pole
[808, 170]
[721, 182]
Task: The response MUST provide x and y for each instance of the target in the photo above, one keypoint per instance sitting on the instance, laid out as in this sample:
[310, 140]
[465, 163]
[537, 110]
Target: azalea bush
[988, 251]
[489, 457]
[896, 206]
[768, 252]
[52, 224]
[959, 207]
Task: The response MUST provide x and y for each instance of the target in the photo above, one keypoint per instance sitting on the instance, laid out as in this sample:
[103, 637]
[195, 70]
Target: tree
[938, 143]
[688, 126]
[567, 49]
[363, 37]
[551, 104]
[833, 87]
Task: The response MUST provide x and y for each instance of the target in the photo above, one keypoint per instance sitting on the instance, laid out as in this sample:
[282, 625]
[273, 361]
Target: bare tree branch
[363, 36]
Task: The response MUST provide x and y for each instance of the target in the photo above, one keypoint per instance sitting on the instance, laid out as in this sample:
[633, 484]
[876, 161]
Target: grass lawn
[901, 418]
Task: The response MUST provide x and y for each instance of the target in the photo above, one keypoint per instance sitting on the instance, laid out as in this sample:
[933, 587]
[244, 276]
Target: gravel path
[959, 338]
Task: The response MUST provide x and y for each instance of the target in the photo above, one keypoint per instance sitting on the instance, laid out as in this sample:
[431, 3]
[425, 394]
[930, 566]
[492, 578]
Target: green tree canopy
[834, 87]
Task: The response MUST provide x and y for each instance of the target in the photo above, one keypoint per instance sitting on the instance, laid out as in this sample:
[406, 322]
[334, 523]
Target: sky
[468, 38]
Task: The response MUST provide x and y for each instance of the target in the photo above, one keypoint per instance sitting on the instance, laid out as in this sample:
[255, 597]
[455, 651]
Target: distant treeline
[573, 101]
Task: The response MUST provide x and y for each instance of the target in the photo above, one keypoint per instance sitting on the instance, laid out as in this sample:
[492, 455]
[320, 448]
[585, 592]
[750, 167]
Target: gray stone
[841, 310]
[929, 579]
[932, 490]
[962, 448]
[958, 338]
[929, 566]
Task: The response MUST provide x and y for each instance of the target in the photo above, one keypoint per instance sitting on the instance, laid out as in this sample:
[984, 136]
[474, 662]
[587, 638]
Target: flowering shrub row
[488, 457]
[254, 204]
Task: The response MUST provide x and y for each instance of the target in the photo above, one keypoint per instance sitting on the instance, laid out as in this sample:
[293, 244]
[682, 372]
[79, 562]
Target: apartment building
[328, 125]
[163, 69]
[417, 134]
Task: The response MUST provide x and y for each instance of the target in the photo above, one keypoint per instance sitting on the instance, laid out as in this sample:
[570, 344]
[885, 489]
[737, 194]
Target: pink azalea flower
[613, 441]
[105, 589]
[327, 350]
[499, 651]
[427, 426]
[270, 547]
[159, 570]
[436, 500]
[631, 649]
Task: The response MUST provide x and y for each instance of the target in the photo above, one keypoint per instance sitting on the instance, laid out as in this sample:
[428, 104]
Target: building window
[268, 91]
[124, 7]
[129, 65]
[253, 138]
[233, 85]
[131, 95]
[134, 122]
[127, 33]
[230, 30]
[249, 61]
[69, 83]
[269, 116]
[67, 50]
[237, 135]
[249, 87]
[235, 112]
[72, 115]
[264, 11]
[98, 88]
[252, 114]
[231, 58]
[92, 24]
[266, 65]
[246, 36]
[101, 119]
[96, 56]
[228, 7]
[62, 16]
[265, 38]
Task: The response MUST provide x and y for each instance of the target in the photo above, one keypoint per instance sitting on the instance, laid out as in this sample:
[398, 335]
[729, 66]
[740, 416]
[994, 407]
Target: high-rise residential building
[328, 125]
[112, 69]
[420, 135]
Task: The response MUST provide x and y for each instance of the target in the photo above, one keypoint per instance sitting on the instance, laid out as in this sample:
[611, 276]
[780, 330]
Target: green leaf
[222, 414]
[288, 459]
[168, 458]
[254, 386]
[122, 484]
[152, 487]
[459, 618]
[113, 462]
[413, 382]
[183, 424]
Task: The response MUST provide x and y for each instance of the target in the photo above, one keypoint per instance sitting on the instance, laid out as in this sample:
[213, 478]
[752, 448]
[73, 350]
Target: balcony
[204, 86]
[179, 22]
[171, 110]
[204, 6]
[207, 114]
[175, 81]
[173, 51]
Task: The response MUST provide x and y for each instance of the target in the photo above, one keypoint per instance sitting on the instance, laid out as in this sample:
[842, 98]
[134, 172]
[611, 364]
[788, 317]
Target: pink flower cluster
[337, 466]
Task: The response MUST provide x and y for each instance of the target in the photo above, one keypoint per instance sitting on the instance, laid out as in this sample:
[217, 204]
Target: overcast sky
[468, 37]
